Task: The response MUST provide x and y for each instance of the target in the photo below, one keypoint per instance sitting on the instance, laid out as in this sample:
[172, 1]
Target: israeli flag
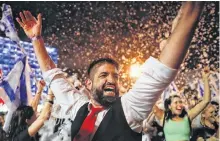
[13, 89]
[7, 23]
[200, 87]
[171, 89]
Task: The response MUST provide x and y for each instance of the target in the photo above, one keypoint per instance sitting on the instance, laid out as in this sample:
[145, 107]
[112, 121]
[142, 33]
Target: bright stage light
[135, 70]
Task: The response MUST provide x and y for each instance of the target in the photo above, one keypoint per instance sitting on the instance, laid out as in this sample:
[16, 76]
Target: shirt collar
[90, 105]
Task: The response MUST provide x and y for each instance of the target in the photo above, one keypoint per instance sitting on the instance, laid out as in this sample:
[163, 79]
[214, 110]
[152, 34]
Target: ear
[88, 83]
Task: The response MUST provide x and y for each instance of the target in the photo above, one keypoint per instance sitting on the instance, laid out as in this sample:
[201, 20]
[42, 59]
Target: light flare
[135, 70]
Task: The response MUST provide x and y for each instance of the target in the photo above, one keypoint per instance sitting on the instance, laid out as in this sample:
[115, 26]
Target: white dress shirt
[137, 103]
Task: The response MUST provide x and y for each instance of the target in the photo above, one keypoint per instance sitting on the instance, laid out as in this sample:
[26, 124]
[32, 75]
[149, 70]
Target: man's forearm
[43, 58]
[179, 41]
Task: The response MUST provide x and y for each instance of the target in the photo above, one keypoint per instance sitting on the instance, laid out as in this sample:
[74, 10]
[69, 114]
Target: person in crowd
[152, 128]
[35, 101]
[105, 116]
[40, 86]
[73, 78]
[148, 129]
[19, 130]
[216, 105]
[176, 116]
[3, 135]
[206, 125]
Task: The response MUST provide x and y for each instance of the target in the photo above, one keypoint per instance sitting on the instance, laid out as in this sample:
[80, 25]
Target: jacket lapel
[80, 117]
[103, 125]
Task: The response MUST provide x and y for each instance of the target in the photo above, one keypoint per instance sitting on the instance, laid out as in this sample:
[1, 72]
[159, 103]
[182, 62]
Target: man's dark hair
[99, 61]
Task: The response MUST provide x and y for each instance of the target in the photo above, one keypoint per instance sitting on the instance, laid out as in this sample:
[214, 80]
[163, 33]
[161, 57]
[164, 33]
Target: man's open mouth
[109, 90]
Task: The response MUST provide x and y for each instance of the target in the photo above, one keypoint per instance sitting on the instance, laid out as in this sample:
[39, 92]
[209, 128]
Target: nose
[111, 79]
[180, 105]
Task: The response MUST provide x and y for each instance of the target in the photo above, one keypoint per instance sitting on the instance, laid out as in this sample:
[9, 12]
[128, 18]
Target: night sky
[129, 32]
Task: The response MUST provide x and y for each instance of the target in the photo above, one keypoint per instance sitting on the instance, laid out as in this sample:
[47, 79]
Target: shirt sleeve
[65, 93]
[138, 102]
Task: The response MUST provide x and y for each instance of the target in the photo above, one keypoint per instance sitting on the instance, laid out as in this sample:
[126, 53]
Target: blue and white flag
[213, 84]
[7, 23]
[14, 82]
[13, 89]
[200, 87]
[171, 89]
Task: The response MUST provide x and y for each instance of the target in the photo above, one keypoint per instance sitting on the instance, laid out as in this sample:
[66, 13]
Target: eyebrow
[103, 73]
[107, 73]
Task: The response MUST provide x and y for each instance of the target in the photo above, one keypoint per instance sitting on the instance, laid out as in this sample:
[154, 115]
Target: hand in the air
[31, 25]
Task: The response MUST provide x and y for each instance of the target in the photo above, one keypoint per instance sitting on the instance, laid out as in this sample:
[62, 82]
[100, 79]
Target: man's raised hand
[31, 25]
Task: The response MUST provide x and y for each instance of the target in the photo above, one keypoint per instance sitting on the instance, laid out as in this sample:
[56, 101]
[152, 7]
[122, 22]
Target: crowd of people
[54, 123]
[99, 110]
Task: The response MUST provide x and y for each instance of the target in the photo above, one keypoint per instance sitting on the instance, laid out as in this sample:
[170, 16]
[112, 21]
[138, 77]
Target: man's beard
[102, 99]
